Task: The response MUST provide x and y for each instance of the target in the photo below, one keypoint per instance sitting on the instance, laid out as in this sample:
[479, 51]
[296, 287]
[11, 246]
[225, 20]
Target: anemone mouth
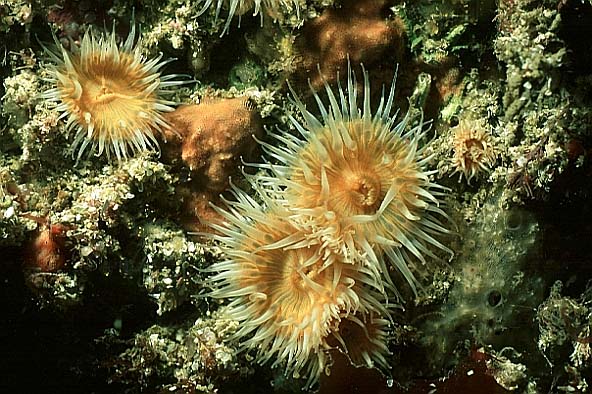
[473, 144]
[364, 190]
[109, 95]
[302, 272]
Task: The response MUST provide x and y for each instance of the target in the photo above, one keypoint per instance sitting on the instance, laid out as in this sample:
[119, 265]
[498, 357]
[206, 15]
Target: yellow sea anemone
[287, 295]
[241, 7]
[474, 151]
[110, 94]
[364, 338]
[365, 170]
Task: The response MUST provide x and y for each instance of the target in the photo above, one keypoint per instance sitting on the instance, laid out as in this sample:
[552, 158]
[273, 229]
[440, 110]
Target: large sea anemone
[305, 267]
[109, 94]
[366, 171]
[287, 295]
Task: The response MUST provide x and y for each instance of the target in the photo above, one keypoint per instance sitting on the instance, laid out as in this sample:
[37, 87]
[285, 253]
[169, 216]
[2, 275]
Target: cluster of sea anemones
[109, 94]
[474, 148]
[307, 258]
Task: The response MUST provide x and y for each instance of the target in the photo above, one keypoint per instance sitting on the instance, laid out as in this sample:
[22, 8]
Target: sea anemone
[287, 295]
[110, 94]
[474, 151]
[305, 267]
[241, 7]
[365, 170]
[47, 250]
[363, 338]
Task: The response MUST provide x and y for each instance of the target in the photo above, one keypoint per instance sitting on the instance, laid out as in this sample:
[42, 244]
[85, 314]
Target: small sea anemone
[46, 251]
[240, 7]
[367, 171]
[287, 295]
[474, 151]
[110, 94]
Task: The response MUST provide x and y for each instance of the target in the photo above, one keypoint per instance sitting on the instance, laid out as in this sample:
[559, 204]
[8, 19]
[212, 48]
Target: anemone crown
[474, 150]
[109, 94]
[367, 170]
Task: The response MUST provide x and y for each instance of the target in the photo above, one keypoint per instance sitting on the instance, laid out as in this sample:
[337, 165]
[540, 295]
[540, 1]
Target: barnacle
[110, 94]
[474, 150]
[366, 171]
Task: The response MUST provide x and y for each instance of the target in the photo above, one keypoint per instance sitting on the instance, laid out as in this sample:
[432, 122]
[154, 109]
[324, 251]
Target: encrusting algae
[309, 260]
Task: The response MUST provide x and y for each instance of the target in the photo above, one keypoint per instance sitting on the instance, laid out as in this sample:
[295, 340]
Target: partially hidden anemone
[109, 94]
[474, 149]
[363, 339]
[287, 295]
[240, 7]
[365, 171]
[305, 267]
